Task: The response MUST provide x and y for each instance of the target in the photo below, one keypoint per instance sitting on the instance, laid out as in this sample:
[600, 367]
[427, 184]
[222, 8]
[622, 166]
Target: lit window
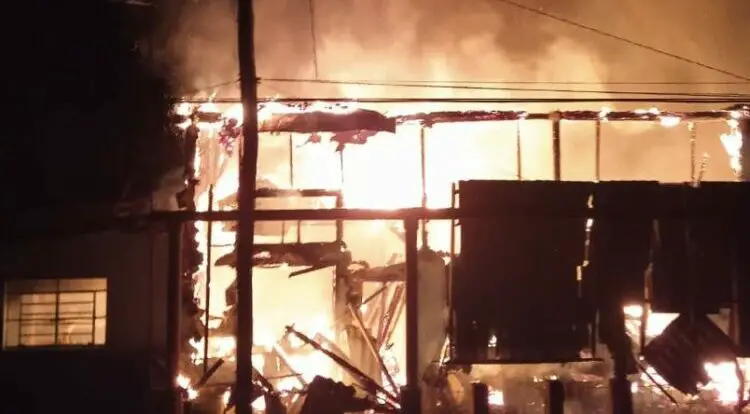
[65, 312]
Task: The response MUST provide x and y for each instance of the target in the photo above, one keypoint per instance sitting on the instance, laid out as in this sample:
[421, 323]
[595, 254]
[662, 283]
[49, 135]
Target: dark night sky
[88, 111]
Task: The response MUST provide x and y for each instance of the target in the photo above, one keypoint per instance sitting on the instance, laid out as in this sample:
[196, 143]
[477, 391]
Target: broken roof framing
[368, 120]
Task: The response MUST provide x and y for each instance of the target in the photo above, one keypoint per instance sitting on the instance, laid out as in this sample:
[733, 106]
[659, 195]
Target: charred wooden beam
[367, 120]
[306, 122]
[370, 384]
[295, 254]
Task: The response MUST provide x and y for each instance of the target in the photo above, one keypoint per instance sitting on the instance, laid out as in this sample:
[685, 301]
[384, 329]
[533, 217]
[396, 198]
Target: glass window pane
[55, 312]
[101, 304]
[37, 312]
[77, 298]
[79, 339]
[71, 332]
[38, 340]
[33, 328]
[100, 333]
[38, 299]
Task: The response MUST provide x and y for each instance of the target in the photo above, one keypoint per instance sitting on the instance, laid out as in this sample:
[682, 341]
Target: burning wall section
[361, 169]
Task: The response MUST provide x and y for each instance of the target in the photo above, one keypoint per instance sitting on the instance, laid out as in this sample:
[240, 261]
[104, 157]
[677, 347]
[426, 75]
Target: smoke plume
[486, 40]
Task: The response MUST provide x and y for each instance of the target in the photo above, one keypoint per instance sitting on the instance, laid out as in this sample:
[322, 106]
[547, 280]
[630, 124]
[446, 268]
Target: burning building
[329, 296]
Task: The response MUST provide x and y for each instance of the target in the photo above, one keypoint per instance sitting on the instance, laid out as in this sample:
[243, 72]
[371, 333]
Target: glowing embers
[680, 353]
[739, 125]
[327, 396]
[516, 279]
[278, 117]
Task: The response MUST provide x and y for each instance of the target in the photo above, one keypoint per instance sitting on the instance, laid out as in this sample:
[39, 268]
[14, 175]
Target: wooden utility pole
[246, 224]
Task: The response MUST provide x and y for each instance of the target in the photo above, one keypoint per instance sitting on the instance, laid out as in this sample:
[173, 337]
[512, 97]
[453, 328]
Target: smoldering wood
[370, 384]
[293, 254]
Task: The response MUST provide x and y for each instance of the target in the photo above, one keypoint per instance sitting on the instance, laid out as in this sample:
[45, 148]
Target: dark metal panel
[517, 279]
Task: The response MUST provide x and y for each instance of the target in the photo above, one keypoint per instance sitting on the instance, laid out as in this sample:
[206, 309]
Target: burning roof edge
[370, 120]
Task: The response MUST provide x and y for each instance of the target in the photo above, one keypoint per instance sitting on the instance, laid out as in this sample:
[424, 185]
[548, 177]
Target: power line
[491, 88]
[483, 100]
[622, 39]
[498, 82]
[514, 82]
[507, 82]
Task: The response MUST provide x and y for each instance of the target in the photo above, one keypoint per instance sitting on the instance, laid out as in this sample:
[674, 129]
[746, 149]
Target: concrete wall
[135, 268]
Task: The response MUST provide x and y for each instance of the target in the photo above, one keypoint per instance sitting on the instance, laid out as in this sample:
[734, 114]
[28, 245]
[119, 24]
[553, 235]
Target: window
[65, 312]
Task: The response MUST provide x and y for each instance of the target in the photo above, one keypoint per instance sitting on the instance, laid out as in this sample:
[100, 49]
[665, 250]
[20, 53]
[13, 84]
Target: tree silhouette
[87, 118]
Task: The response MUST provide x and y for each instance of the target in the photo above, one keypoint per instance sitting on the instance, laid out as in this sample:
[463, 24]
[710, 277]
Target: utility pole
[246, 225]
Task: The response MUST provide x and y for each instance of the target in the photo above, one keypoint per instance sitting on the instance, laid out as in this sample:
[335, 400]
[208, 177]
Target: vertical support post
[93, 320]
[291, 186]
[411, 394]
[622, 398]
[339, 223]
[246, 225]
[423, 171]
[451, 265]
[174, 313]
[556, 397]
[598, 151]
[744, 127]
[56, 338]
[693, 155]
[556, 155]
[519, 150]
[741, 288]
[340, 199]
[209, 261]
[480, 398]
[291, 182]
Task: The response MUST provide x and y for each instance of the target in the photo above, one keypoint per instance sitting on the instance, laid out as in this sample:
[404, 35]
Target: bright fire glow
[733, 146]
[496, 398]
[724, 382]
[187, 386]
[384, 174]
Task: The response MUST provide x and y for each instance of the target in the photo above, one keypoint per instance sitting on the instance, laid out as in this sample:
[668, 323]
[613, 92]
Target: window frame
[56, 288]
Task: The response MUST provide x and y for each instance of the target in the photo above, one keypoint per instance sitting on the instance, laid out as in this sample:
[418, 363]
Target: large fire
[386, 174]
